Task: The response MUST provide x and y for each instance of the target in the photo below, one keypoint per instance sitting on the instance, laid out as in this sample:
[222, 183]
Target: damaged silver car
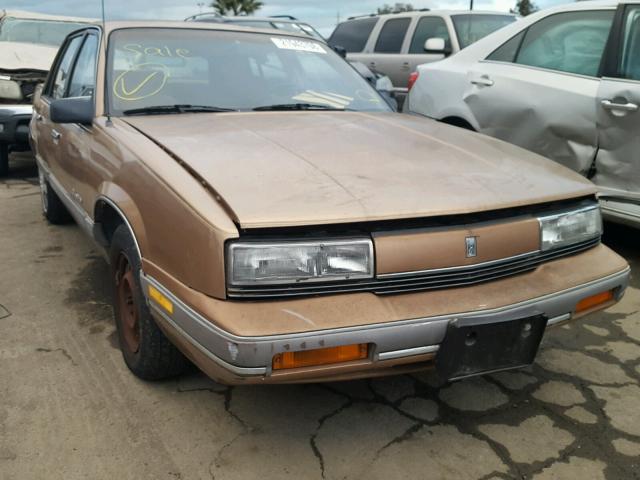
[564, 83]
[28, 44]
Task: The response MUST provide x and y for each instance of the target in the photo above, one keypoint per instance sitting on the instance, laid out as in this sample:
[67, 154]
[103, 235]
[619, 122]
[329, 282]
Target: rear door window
[429, 27]
[392, 35]
[571, 42]
[630, 62]
[353, 35]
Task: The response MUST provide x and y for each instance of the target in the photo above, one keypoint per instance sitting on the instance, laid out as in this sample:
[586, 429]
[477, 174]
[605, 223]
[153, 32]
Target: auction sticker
[299, 45]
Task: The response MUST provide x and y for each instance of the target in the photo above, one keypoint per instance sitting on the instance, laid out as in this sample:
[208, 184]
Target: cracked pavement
[70, 409]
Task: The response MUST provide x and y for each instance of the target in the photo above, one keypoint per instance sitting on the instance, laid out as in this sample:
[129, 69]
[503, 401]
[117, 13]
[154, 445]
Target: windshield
[471, 28]
[230, 70]
[43, 32]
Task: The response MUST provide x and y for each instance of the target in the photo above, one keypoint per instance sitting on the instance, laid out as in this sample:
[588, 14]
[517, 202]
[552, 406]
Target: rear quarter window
[353, 35]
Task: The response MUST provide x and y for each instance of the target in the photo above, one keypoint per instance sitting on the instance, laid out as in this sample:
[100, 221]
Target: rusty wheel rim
[128, 311]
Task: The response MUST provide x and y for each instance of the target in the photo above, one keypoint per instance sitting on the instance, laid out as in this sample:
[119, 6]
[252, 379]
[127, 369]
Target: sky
[322, 14]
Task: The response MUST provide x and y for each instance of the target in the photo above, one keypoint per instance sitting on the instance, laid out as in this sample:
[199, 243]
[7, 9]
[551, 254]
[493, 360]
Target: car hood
[26, 56]
[302, 168]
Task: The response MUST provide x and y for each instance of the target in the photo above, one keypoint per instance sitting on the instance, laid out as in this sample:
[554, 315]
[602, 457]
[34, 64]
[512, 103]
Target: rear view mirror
[340, 51]
[72, 110]
[436, 45]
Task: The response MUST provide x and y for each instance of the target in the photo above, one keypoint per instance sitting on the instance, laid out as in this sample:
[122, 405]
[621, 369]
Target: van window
[353, 35]
[429, 27]
[392, 35]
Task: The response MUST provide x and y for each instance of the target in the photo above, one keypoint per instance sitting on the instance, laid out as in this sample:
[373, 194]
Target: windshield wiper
[165, 109]
[298, 106]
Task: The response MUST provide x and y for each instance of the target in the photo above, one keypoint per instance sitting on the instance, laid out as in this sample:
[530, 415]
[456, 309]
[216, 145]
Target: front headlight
[10, 90]
[570, 227]
[251, 263]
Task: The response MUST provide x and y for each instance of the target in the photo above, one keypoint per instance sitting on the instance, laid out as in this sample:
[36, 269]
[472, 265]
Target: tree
[525, 7]
[236, 7]
[397, 8]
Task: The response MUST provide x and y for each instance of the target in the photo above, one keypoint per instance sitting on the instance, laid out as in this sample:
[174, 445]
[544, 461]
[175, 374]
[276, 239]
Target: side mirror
[436, 45]
[72, 110]
[340, 51]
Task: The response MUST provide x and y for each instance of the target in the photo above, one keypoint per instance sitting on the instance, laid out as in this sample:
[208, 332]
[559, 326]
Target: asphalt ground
[70, 409]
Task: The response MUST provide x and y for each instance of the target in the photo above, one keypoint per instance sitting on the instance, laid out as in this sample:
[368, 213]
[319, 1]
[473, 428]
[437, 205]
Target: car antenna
[104, 29]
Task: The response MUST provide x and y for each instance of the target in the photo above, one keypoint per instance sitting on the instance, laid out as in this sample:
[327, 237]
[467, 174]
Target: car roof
[264, 19]
[420, 13]
[110, 26]
[588, 4]
[43, 16]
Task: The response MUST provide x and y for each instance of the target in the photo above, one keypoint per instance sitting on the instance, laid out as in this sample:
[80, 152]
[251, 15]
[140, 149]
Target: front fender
[114, 197]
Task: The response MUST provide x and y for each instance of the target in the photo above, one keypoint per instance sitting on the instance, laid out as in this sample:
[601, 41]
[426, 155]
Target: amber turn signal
[160, 299]
[594, 301]
[321, 356]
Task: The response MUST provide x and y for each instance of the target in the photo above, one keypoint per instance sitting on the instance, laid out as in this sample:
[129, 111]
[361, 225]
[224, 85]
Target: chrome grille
[414, 282]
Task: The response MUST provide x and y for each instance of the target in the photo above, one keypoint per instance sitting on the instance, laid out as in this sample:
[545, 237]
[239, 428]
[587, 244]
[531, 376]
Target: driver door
[78, 174]
[618, 162]
[45, 132]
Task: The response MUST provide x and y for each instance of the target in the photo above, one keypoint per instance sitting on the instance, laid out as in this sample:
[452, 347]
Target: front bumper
[14, 124]
[410, 343]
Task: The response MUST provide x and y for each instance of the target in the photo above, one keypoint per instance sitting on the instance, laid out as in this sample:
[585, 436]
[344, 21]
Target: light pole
[471, 5]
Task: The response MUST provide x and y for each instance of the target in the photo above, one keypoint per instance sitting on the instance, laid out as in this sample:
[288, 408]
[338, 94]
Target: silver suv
[396, 44]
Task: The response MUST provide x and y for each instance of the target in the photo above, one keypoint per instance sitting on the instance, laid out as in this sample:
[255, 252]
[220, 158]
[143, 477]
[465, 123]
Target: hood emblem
[472, 246]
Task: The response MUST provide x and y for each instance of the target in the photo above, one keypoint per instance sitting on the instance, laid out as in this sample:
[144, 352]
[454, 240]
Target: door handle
[406, 66]
[372, 64]
[627, 107]
[55, 135]
[483, 81]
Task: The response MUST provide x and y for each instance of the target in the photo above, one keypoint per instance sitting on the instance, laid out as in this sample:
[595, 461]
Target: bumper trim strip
[560, 319]
[409, 352]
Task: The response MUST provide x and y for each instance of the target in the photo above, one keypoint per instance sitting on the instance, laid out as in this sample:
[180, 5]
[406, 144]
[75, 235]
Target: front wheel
[52, 207]
[146, 350]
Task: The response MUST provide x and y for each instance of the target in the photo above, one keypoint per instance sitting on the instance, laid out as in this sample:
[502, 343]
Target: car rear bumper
[14, 123]
[395, 347]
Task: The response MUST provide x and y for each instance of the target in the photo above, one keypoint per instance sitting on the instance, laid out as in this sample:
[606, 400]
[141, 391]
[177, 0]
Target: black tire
[146, 350]
[52, 207]
[4, 160]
